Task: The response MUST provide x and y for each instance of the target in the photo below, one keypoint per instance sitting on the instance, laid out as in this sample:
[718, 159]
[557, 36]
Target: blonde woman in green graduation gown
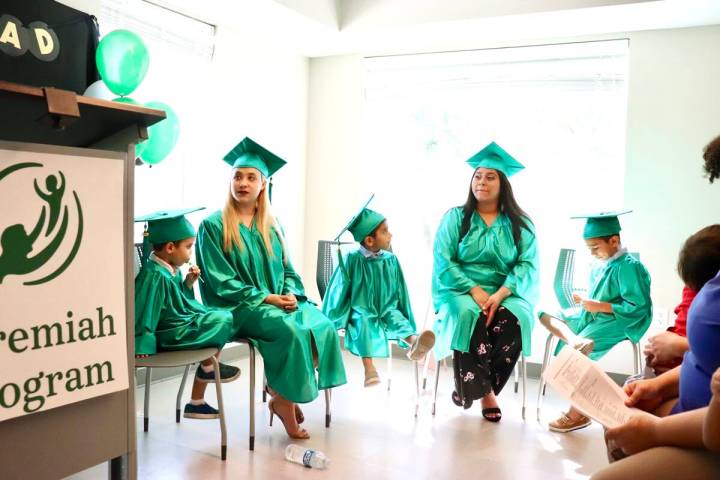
[485, 283]
[367, 296]
[247, 269]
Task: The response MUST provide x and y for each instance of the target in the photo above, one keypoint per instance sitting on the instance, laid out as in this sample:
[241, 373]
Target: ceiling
[317, 28]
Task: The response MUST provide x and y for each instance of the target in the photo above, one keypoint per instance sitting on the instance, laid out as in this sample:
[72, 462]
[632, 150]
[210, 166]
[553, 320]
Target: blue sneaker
[200, 412]
[228, 373]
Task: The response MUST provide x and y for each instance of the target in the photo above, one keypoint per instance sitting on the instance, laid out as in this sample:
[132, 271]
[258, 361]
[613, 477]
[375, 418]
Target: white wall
[672, 113]
[249, 88]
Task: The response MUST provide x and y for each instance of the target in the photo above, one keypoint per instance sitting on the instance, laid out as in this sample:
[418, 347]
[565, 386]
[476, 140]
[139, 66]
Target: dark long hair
[506, 204]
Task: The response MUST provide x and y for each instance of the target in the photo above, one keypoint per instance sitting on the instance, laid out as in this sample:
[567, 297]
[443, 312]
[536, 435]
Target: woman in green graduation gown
[247, 269]
[485, 282]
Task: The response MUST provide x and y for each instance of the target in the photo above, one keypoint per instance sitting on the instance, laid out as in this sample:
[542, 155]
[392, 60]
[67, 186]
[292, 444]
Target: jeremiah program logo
[25, 254]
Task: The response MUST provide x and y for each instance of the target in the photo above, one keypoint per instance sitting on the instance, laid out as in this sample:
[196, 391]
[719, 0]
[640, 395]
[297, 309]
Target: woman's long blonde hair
[264, 221]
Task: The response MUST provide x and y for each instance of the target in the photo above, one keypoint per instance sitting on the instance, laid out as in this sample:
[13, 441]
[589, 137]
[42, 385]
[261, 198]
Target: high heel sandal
[299, 416]
[301, 433]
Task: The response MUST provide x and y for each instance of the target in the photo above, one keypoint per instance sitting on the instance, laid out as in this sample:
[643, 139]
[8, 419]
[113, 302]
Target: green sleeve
[337, 302]
[403, 296]
[446, 269]
[524, 278]
[220, 276]
[150, 296]
[292, 282]
[634, 310]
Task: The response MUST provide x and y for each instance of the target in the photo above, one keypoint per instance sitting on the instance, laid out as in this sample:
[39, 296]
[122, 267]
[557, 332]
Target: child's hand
[577, 298]
[192, 276]
[637, 434]
[715, 384]
[592, 306]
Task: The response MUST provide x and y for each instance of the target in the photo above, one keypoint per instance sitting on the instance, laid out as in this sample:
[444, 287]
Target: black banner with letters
[46, 44]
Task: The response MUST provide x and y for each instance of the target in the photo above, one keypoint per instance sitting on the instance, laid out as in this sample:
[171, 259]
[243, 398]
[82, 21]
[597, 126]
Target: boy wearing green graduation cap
[618, 306]
[167, 316]
[367, 296]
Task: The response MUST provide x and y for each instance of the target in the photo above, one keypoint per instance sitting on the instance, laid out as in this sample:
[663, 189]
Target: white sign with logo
[62, 291]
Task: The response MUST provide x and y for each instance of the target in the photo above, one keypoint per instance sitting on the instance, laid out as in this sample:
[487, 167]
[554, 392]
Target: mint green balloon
[140, 147]
[162, 136]
[122, 60]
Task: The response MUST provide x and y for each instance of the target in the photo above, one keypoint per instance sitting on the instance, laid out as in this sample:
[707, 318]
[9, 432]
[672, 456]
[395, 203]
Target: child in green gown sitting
[167, 316]
[367, 297]
[618, 306]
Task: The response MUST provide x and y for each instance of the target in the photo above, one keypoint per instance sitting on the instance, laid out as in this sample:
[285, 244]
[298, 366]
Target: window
[559, 109]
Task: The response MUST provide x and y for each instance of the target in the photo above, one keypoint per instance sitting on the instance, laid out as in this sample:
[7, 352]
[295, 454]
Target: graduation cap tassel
[270, 187]
[145, 246]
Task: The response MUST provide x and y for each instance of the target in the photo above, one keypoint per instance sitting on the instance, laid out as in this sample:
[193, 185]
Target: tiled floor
[373, 435]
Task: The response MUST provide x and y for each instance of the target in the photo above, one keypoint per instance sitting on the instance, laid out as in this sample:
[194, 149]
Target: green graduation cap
[363, 223]
[248, 153]
[495, 157]
[602, 224]
[168, 225]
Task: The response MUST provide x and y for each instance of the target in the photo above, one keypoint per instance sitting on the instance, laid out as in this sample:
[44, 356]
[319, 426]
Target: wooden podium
[60, 441]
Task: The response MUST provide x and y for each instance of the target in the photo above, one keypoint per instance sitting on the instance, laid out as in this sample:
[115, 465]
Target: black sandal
[458, 401]
[486, 412]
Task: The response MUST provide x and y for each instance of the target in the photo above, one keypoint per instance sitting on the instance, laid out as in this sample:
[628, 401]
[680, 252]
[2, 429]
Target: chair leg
[426, 364]
[435, 392]
[180, 392]
[221, 408]
[541, 388]
[251, 427]
[416, 371]
[146, 406]
[636, 358]
[389, 365]
[264, 393]
[523, 368]
[515, 373]
[328, 398]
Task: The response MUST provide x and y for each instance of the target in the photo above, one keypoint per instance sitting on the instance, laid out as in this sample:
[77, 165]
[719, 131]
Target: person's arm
[711, 428]
[446, 269]
[666, 347]
[523, 279]
[634, 310]
[150, 298]
[220, 277]
[658, 389]
[336, 304]
[646, 431]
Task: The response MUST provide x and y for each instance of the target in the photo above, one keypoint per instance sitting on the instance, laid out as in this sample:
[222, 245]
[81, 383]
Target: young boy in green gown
[167, 316]
[618, 306]
[367, 296]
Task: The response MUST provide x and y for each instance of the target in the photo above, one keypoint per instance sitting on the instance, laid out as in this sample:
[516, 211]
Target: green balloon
[163, 135]
[139, 147]
[122, 60]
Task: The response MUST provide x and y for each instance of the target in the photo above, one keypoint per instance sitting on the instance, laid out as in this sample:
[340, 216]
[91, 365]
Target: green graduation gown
[167, 316]
[489, 258]
[368, 297]
[624, 283]
[240, 281]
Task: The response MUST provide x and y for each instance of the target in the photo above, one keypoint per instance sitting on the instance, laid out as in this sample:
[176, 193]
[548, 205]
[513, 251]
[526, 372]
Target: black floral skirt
[490, 360]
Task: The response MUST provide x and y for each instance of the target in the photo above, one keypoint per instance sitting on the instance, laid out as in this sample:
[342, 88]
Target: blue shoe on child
[228, 373]
[200, 412]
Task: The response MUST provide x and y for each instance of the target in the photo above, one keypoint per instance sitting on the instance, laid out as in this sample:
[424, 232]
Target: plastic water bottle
[308, 457]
